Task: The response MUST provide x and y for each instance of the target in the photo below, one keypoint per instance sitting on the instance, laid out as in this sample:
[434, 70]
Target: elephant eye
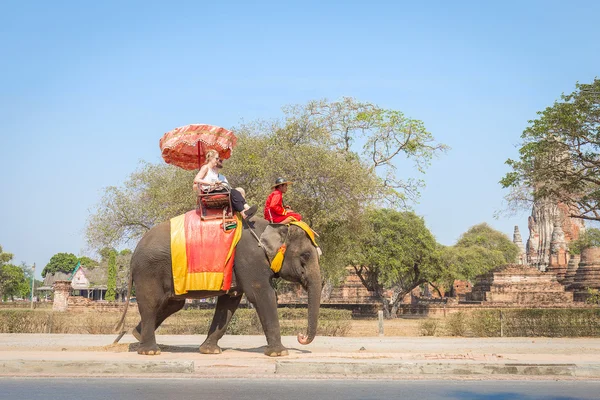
[305, 256]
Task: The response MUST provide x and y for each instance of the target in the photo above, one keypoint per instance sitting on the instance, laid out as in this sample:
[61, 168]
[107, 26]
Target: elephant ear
[272, 239]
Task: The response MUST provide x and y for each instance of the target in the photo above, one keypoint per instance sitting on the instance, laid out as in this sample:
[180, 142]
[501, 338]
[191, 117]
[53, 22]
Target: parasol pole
[200, 154]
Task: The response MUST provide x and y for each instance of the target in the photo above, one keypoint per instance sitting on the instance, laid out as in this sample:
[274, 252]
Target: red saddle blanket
[202, 253]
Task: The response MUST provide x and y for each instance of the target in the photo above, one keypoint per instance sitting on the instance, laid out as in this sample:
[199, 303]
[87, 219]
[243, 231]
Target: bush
[456, 324]
[536, 322]
[428, 327]
[485, 323]
[552, 322]
[593, 296]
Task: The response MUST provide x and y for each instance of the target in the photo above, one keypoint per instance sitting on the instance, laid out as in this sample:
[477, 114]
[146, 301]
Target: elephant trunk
[314, 301]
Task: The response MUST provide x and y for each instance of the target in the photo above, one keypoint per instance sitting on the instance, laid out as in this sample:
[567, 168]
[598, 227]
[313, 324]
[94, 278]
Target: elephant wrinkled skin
[152, 274]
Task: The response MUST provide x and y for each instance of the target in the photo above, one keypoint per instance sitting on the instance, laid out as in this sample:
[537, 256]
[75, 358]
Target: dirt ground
[391, 327]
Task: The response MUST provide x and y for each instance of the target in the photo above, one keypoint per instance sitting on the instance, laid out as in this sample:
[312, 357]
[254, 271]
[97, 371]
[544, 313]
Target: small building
[87, 282]
[90, 283]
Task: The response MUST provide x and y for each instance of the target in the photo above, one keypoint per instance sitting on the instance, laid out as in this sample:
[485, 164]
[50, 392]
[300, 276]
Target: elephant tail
[119, 328]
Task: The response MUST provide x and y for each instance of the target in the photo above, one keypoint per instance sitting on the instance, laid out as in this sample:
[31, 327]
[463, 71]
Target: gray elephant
[152, 274]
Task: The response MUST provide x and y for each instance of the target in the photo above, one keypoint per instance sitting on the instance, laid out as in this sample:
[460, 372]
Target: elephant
[152, 275]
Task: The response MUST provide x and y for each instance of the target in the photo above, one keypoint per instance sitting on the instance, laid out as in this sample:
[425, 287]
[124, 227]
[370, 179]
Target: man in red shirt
[275, 211]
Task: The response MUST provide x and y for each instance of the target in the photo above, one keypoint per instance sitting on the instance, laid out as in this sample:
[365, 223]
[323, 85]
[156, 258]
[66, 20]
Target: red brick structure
[572, 266]
[62, 292]
[519, 285]
[588, 273]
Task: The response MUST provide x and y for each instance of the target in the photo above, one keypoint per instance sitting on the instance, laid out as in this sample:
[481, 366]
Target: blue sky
[87, 90]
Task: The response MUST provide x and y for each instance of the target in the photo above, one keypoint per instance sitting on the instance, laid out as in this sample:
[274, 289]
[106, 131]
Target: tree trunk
[385, 305]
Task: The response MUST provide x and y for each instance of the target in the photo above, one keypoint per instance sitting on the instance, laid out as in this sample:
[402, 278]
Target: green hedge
[525, 323]
[551, 323]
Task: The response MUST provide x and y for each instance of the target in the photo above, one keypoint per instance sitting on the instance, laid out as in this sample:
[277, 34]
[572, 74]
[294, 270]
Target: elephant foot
[273, 351]
[210, 349]
[136, 334]
[149, 350]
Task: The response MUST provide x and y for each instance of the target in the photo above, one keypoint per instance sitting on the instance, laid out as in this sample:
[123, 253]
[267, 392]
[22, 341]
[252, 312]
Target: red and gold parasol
[186, 146]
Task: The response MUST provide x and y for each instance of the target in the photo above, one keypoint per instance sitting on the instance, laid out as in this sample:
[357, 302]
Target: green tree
[484, 236]
[5, 257]
[87, 262]
[112, 277]
[106, 252]
[559, 158]
[13, 282]
[61, 262]
[396, 254]
[590, 238]
[466, 263]
[478, 251]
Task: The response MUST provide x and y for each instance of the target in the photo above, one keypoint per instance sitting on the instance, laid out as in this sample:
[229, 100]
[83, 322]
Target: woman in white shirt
[208, 179]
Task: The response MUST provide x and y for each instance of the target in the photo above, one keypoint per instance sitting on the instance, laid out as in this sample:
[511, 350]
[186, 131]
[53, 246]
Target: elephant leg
[137, 332]
[169, 308]
[148, 312]
[226, 306]
[153, 304]
[265, 301]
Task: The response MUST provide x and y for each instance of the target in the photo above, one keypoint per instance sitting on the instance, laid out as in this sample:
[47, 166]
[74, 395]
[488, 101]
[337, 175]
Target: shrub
[456, 324]
[593, 296]
[552, 322]
[428, 327]
[485, 323]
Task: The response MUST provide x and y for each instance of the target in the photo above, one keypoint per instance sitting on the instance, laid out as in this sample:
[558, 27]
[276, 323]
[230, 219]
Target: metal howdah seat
[215, 205]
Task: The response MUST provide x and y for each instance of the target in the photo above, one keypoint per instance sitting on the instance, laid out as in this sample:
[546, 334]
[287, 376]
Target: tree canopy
[13, 280]
[484, 236]
[589, 238]
[396, 252]
[61, 262]
[478, 251]
[5, 257]
[87, 262]
[340, 155]
[559, 158]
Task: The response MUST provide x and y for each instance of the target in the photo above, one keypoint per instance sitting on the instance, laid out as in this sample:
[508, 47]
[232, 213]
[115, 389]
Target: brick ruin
[587, 274]
[62, 292]
[516, 284]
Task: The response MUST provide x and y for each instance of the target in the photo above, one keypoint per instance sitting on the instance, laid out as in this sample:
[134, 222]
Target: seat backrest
[215, 200]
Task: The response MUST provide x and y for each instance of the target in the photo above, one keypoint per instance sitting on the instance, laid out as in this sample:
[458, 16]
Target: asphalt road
[200, 389]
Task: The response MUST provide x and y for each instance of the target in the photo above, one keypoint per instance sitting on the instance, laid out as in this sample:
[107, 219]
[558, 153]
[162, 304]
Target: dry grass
[331, 323]
[391, 327]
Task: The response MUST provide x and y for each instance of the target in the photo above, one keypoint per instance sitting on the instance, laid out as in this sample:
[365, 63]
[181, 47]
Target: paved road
[161, 389]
